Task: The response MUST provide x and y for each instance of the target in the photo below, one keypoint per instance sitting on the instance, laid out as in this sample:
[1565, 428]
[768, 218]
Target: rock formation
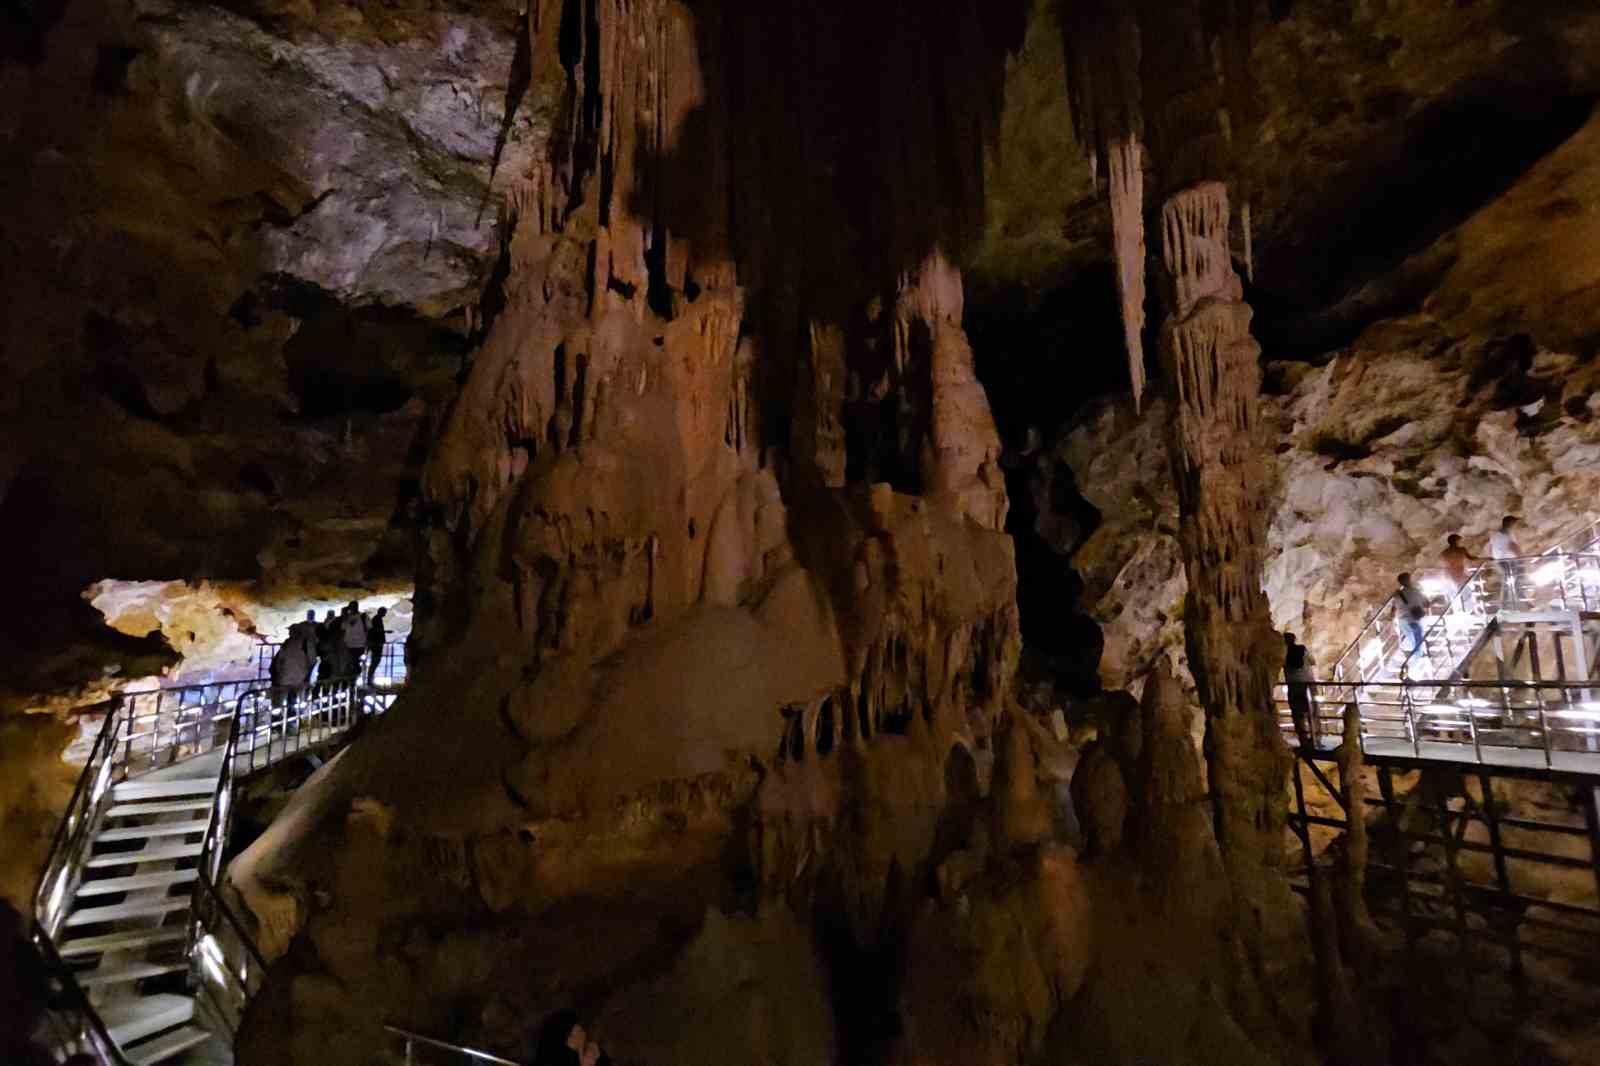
[715, 600]
[1397, 441]
[1219, 468]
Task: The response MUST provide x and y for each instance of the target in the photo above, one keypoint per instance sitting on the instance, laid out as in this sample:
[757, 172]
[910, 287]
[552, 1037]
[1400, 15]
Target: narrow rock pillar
[1221, 471]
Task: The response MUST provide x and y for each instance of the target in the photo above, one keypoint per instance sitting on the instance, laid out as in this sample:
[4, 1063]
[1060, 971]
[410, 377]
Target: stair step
[135, 1019]
[162, 829]
[130, 810]
[137, 971]
[140, 909]
[167, 1045]
[159, 854]
[183, 786]
[122, 939]
[107, 885]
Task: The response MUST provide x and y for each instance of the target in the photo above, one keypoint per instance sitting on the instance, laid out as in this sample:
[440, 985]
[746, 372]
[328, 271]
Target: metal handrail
[1452, 606]
[73, 829]
[1545, 707]
[1353, 647]
[392, 667]
[410, 1040]
[87, 1033]
[223, 959]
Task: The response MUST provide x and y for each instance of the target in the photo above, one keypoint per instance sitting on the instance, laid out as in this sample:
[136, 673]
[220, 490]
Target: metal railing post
[1544, 726]
[1411, 722]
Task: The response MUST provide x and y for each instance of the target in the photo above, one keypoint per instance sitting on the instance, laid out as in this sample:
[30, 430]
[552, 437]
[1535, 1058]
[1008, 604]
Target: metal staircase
[148, 962]
[1545, 608]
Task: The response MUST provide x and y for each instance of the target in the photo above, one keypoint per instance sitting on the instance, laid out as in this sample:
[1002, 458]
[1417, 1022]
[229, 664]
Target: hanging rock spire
[1101, 38]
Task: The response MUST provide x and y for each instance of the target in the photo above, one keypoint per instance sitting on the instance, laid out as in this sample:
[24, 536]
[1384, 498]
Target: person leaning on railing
[1297, 676]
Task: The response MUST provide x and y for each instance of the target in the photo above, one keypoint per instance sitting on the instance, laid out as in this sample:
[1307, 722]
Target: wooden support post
[1304, 825]
[1591, 816]
[1452, 875]
[1506, 913]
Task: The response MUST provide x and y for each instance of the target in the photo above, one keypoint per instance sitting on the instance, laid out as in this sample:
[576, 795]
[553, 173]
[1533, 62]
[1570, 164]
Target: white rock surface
[1398, 441]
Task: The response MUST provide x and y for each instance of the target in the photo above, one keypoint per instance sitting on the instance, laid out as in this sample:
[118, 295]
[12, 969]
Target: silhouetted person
[306, 633]
[1297, 678]
[330, 651]
[1413, 608]
[1504, 550]
[375, 639]
[353, 634]
[291, 671]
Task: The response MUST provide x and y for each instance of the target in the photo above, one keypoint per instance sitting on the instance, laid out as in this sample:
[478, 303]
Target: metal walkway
[148, 963]
[1505, 686]
[1507, 673]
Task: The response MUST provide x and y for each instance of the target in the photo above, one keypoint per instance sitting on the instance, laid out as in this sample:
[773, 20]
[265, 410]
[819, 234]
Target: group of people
[1456, 564]
[335, 649]
[1411, 605]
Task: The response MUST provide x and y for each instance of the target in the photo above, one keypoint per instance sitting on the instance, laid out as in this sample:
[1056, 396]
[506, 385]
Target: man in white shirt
[1504, 550]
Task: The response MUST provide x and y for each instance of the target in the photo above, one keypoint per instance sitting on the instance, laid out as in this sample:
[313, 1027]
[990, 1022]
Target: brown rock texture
[1220, 466]
[716, 622]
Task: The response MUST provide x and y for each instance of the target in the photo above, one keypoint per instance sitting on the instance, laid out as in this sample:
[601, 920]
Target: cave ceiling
[248, 247]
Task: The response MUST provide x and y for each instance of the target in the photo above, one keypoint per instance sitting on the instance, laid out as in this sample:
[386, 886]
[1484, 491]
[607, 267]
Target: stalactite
[1125, 174]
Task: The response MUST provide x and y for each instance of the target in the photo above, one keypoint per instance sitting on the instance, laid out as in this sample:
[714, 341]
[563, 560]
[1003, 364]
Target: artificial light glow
[211, 958]
[57, 897]
[1550, 573]
[1438, 586]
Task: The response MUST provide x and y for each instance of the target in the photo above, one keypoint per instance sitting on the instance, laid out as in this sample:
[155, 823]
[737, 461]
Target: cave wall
[243, 249]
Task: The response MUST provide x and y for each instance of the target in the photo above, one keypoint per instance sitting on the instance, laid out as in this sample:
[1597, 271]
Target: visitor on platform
[1297, 676]
[353, 631]
[1413, 608]
[375, 638]
[1504, 550]
[330, 651]
[1457, 563]
[290, 671]
[305, 632]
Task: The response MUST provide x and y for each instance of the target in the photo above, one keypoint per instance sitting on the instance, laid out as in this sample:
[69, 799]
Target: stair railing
[415, 1049]
[74, 1025]
[64, 864]
[167, 725]
[267, 728]
[1471, 591]
[1348, 667]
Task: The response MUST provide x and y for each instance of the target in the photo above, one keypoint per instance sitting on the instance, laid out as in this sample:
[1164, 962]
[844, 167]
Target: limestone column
[1221, 471]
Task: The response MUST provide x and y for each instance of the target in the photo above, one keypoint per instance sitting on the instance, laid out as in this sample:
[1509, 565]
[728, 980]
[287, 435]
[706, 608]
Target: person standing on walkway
[1297, 676]
[375, 638]
[1457, 563]
[1413, 608]
[305, 633]
[291, 669]
[330, 650]
[1504, 550]
[353, 632]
